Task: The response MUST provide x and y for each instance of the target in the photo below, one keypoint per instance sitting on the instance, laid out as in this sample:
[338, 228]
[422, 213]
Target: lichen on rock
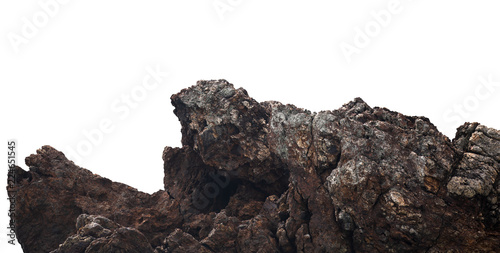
[267, 177]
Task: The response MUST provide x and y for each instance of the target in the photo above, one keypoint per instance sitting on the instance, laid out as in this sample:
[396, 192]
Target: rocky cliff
[267, 177]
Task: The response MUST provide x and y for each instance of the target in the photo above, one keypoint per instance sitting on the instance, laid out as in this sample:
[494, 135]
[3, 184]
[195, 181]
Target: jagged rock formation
[99, 234]
[268, 177]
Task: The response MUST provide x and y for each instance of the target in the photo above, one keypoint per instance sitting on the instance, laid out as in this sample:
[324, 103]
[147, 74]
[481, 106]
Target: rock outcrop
[269, 177]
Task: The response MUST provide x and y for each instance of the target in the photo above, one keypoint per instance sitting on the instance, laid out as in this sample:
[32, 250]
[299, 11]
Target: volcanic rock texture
[269, 177]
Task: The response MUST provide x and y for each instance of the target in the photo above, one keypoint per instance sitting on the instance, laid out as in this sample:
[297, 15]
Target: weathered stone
[99, 234]
[477, 174]
[179, 241]
[228, 130]
[55, 192]
[268, 177]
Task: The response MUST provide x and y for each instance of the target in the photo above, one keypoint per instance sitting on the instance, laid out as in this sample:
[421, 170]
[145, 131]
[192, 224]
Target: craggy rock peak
[269, 177]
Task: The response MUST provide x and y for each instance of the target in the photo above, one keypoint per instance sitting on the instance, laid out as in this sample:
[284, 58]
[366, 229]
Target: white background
[425, 59]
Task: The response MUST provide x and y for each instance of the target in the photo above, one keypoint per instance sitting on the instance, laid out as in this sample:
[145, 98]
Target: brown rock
[99, 234]
[268, 177]
[179, 241]
[55, 192]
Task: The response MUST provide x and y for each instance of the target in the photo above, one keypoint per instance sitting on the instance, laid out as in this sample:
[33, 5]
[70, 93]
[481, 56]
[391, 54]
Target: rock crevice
[267, 177]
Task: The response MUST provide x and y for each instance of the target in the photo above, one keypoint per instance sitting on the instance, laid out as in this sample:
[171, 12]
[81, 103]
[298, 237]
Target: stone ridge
[267, 177]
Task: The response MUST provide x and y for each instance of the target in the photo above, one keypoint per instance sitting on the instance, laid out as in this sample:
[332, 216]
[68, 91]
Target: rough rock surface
[99, 234]
[55, 191]
[269, 177]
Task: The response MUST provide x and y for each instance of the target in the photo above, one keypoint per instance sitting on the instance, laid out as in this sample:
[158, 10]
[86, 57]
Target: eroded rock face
[268, 177]
[55, 191]
[99, 234]
[477, 174]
